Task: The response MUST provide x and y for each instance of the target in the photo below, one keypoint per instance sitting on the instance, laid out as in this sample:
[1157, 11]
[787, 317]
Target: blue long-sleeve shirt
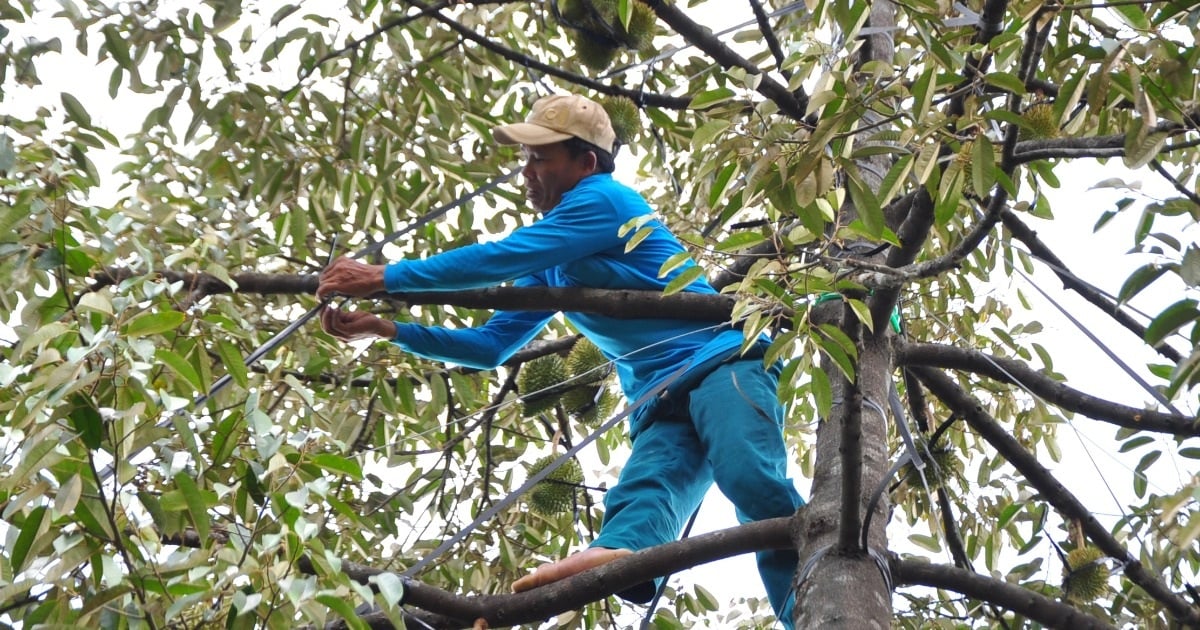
[576, 244]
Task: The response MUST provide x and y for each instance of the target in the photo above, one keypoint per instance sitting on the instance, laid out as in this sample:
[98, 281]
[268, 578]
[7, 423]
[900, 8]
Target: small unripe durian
[1085, 579]
[640, 34]
[537, 376]
[590, 403]
[558, 492]
[1040, 121]
[592, 52]
[938, 468]
[586, 363]
[625, 117]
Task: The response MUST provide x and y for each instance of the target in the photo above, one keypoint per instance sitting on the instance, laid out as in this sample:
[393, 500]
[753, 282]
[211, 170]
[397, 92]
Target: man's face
[550, 171]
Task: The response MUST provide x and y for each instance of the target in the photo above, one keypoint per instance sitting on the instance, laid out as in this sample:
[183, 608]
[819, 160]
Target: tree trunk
[841, 583]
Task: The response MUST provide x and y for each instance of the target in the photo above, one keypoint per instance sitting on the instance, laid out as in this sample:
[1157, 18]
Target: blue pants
[730, 431]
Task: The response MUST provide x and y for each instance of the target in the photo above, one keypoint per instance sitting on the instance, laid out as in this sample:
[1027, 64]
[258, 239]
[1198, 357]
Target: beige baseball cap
[556, 118]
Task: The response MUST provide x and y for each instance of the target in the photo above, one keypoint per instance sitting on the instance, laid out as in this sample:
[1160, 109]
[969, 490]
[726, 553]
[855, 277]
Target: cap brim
[526, 133]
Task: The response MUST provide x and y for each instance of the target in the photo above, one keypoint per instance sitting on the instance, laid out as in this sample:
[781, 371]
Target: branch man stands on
[719, 422]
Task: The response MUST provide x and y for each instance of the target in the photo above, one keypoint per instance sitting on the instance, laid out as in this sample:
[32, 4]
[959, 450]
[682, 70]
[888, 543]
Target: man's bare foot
[571, 565]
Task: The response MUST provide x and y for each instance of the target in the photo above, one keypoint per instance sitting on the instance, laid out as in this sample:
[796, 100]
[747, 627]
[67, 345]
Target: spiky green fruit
[593, 52]
[558, 492]
[590, 403]
[537, 381]
[586, 363]
[625, 117]
[938, 468]
[640, 34]
[1040, 121]
[1085, 579]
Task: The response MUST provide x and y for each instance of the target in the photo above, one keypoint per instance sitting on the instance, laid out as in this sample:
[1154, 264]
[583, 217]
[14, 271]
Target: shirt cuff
[393, 277]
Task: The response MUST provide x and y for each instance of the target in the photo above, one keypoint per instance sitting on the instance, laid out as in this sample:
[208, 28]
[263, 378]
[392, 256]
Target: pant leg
[740, 423]
[661, 484]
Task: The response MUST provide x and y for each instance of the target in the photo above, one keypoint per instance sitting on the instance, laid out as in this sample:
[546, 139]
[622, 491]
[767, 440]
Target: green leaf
[85, 419]
[337, 464]
[234, 363]
[685, 278]
[195, 503]
[8, 157]
[181, 367]
[707, 132]
[343, 609]
[1007, 514]
[863, 312]
[76, 111]
[29, 533]
[1006, 81]
[1138, 280]
[983, 165]
[1139, 150]
[1172, 319]
[673, 262]
[929, 543]
[740, 241]
[712, 97]
[1133, 15]
[390, 587]
[154, 323]
[822, 391]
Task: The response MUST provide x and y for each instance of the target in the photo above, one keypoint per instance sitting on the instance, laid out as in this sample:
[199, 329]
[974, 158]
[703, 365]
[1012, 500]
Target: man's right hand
[356, 325]
[348, 277]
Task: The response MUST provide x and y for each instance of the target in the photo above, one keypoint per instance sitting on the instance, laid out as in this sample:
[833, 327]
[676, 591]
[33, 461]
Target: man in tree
[717, 418]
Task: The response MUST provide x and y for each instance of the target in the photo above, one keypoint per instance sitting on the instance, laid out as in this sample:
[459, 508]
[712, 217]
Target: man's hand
[355, 325]
[350, 278]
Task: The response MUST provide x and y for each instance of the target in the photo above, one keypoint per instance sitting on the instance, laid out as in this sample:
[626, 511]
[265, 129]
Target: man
[719, 420]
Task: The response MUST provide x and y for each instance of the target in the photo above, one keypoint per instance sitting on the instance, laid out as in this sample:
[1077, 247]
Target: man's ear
[590, 161]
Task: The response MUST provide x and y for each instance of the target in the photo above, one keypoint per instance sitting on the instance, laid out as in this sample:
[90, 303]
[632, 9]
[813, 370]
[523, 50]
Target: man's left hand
[356, 325]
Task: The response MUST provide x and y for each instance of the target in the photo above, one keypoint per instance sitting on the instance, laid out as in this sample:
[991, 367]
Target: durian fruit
[940, 464]
[537, 383]
[593, 52]
[598, 33]
[558, 492]
[626, 120]
[586, 363]
[1085, 579]
[1040, 121]
[590, 403]
[640, 34]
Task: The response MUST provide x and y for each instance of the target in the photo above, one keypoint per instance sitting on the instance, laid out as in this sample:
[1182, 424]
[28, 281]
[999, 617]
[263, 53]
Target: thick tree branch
[913, 233]
[704, 40]
[1055, 493]
[768, 33]
[1095, 146]
[1028, 603]
[1040, 250]
[626, 304]
[1054, 392]
[500, 611]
